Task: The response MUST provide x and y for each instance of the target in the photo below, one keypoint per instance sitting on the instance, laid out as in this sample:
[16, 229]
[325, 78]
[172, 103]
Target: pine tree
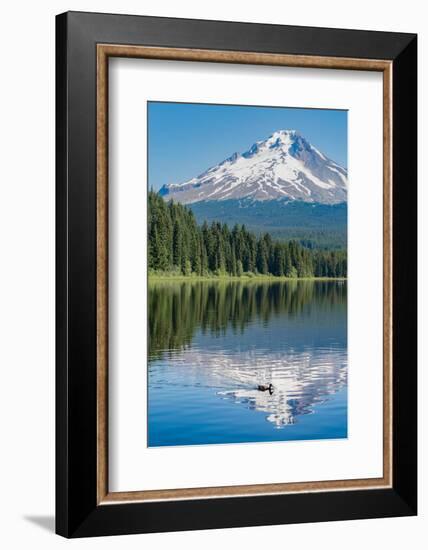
[262, 259]
[233, 264]
[177, 244]
[278, 260]
[204, 258]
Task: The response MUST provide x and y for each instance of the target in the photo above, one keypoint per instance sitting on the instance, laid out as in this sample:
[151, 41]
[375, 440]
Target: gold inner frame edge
[104, 52]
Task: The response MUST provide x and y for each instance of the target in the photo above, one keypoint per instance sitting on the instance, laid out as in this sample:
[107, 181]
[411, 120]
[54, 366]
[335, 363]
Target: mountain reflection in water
[216, 342]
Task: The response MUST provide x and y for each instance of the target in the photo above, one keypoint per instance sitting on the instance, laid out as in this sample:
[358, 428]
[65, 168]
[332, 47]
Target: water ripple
[300, 379]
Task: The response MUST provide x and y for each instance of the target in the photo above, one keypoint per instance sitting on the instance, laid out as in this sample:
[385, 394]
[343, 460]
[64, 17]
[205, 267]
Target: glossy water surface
[211, 344]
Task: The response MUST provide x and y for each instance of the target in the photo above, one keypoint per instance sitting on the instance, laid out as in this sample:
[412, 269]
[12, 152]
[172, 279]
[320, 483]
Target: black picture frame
[77, 511]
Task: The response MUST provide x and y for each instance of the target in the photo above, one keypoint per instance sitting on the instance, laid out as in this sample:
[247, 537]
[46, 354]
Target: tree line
[176, 243]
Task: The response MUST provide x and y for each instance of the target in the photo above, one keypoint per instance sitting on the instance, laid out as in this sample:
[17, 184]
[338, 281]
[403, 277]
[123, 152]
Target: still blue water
[212, 344]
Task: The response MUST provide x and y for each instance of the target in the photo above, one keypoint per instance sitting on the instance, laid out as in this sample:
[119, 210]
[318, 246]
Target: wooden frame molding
[104, 52]
[84, 504]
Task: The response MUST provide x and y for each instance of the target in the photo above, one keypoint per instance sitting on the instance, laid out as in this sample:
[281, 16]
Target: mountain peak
[285, 165]
[280, 138]
[284, 135]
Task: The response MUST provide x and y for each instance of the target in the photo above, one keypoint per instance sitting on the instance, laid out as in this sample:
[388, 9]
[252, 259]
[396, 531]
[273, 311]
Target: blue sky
[184, 139]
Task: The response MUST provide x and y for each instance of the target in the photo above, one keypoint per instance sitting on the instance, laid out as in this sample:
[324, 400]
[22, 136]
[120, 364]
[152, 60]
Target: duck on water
[265, 387]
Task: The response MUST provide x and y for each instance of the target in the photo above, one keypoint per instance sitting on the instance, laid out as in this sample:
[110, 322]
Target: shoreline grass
[173, 277]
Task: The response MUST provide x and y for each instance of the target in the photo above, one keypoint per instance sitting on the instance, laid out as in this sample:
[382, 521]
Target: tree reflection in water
[253, 333]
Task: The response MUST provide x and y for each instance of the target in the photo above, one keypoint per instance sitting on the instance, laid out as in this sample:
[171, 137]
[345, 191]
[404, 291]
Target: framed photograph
[236, 274]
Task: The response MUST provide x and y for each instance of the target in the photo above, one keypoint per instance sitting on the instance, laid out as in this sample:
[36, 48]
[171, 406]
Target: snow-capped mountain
[284, 166]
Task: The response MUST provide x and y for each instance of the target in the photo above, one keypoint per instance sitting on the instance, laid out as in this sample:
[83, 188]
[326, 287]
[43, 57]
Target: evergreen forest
[177, 244]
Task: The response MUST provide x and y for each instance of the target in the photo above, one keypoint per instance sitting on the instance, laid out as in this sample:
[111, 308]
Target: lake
[211, 344]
